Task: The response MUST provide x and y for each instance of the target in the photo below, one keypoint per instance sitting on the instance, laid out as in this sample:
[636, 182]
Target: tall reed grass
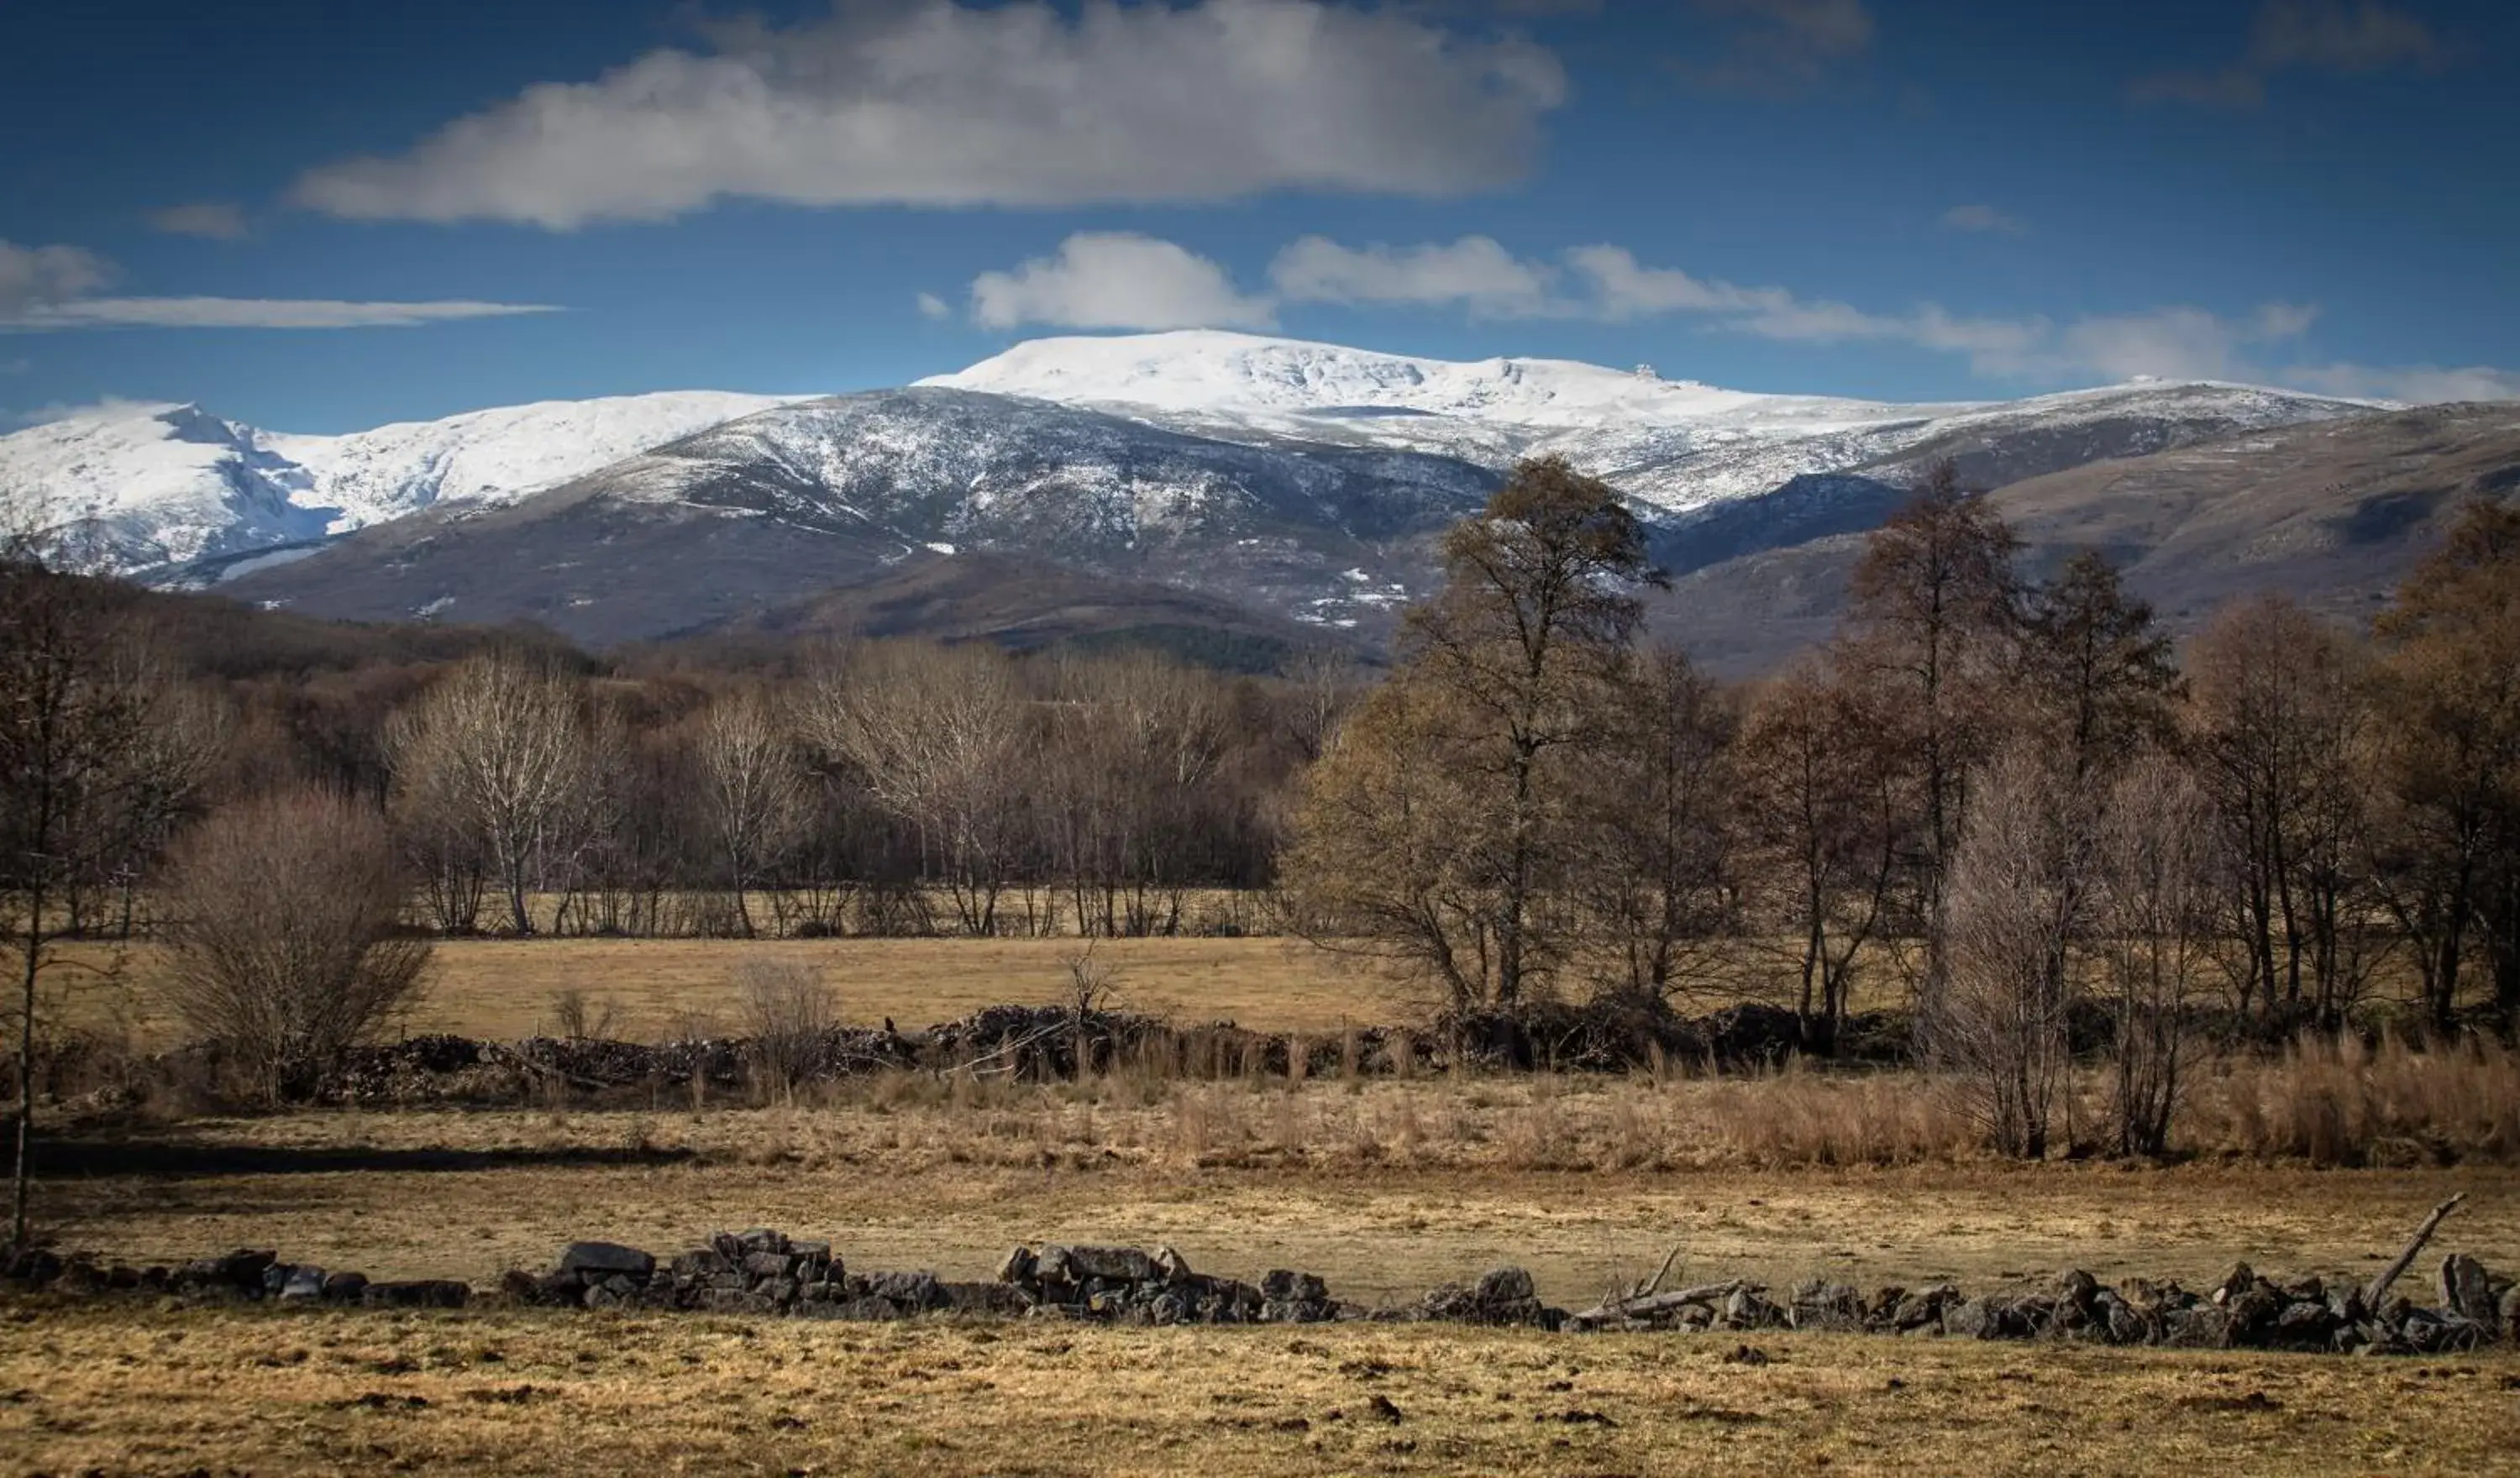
[2329, 1102]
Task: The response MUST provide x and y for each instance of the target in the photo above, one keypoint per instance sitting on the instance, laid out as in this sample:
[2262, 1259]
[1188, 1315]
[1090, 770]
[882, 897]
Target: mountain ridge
[147, 487]
[1300, 483]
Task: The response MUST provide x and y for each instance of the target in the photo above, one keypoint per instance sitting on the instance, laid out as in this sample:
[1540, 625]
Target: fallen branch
[2379, 1287]
[1661, 1272]
[1649, 1306]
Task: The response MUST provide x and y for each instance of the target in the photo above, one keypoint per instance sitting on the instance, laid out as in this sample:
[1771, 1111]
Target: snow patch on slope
[1672, 445]
[498, 455]
[143, 487]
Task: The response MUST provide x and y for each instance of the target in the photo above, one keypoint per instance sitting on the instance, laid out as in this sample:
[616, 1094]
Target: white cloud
[1985, 220]
[2172, 343]
[106, 406]
[255, 313]
[933, 103]
[2330, 34]
[43, 289]
[932, 306]
[212, 220]
[1474, 272]
[1138, 282]
[2420, 384]
[1779, 46]
[30, 276]
[1116, 280]
[2302, 35]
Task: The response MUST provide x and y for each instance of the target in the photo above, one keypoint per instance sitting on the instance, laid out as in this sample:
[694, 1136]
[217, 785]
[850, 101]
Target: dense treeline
[1983, 775]
[816, 787]
[2004, 793]
[1998, 795]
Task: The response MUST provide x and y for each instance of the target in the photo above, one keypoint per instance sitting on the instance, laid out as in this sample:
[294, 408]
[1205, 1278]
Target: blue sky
[318, 217]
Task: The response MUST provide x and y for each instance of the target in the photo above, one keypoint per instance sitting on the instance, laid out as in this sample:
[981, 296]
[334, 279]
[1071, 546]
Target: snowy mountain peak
[141, 486]
[1671, 444]
[1214, 372]
[172, 491]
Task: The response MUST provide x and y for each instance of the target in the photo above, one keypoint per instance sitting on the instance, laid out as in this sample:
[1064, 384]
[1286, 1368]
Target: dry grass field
[138, 1389]
[504, 989]
[1386, 1188]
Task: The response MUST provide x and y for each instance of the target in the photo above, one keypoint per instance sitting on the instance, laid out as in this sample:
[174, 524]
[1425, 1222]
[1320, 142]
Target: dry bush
[284, 943]
[2338, 1102]
[790, 1013]
[1795, 1118]
[2160, 875]
[2018, 893]
[581, 1019]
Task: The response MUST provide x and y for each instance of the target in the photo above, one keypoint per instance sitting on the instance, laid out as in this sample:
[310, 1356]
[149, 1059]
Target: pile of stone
[1503, 1297]
[756, 1271]
[763, 1272]
[1036, 1042]
[1051, 1042]
[1129, 1285]
[243, 1277]
[2244, 1311]
[767, 1272]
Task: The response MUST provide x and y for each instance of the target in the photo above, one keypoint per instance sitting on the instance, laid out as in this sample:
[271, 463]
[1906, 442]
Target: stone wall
[768, 1273]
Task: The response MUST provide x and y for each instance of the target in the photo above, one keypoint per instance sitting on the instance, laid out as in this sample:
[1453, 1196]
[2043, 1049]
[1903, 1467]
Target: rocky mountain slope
[144, 489]
[1296, 483]
[2331, 513]
[791, 502]
[1672, 445]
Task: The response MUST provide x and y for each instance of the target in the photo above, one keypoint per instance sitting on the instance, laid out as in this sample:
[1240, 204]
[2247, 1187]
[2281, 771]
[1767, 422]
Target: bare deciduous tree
[753, 789]
[2452, 683]
[1933, 606]
[1824, 808]
[501, 749]
[2160, 868]
[940, 736]
[2280, 730]
[2020, 893]
[1444, 818]
[1657, 877]
[1322, 683]
[99, 752]
[1501, 685]
[285, 938]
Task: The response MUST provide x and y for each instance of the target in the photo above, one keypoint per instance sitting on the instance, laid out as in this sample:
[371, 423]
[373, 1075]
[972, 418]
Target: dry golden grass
[125, 1387]
[504, 989]
[1385, 1188]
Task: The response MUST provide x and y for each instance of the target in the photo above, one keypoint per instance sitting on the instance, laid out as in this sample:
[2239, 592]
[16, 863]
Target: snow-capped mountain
[1672, 445]
[791, 502]
[147, 487]
[1304, 481]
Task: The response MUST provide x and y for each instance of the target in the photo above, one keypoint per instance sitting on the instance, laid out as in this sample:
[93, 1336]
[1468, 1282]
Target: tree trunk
[35, 960]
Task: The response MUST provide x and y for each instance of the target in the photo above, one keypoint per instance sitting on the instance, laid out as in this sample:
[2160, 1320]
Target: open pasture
[655, 987]
[1386, 1188]
[123, 1388]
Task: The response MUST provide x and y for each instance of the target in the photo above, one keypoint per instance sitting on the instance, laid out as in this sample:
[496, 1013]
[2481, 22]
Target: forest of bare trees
[2001, 798]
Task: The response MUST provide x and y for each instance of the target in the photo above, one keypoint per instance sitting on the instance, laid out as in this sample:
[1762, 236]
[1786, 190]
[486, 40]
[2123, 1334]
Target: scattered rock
[763, 1272]
[606, 1258]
